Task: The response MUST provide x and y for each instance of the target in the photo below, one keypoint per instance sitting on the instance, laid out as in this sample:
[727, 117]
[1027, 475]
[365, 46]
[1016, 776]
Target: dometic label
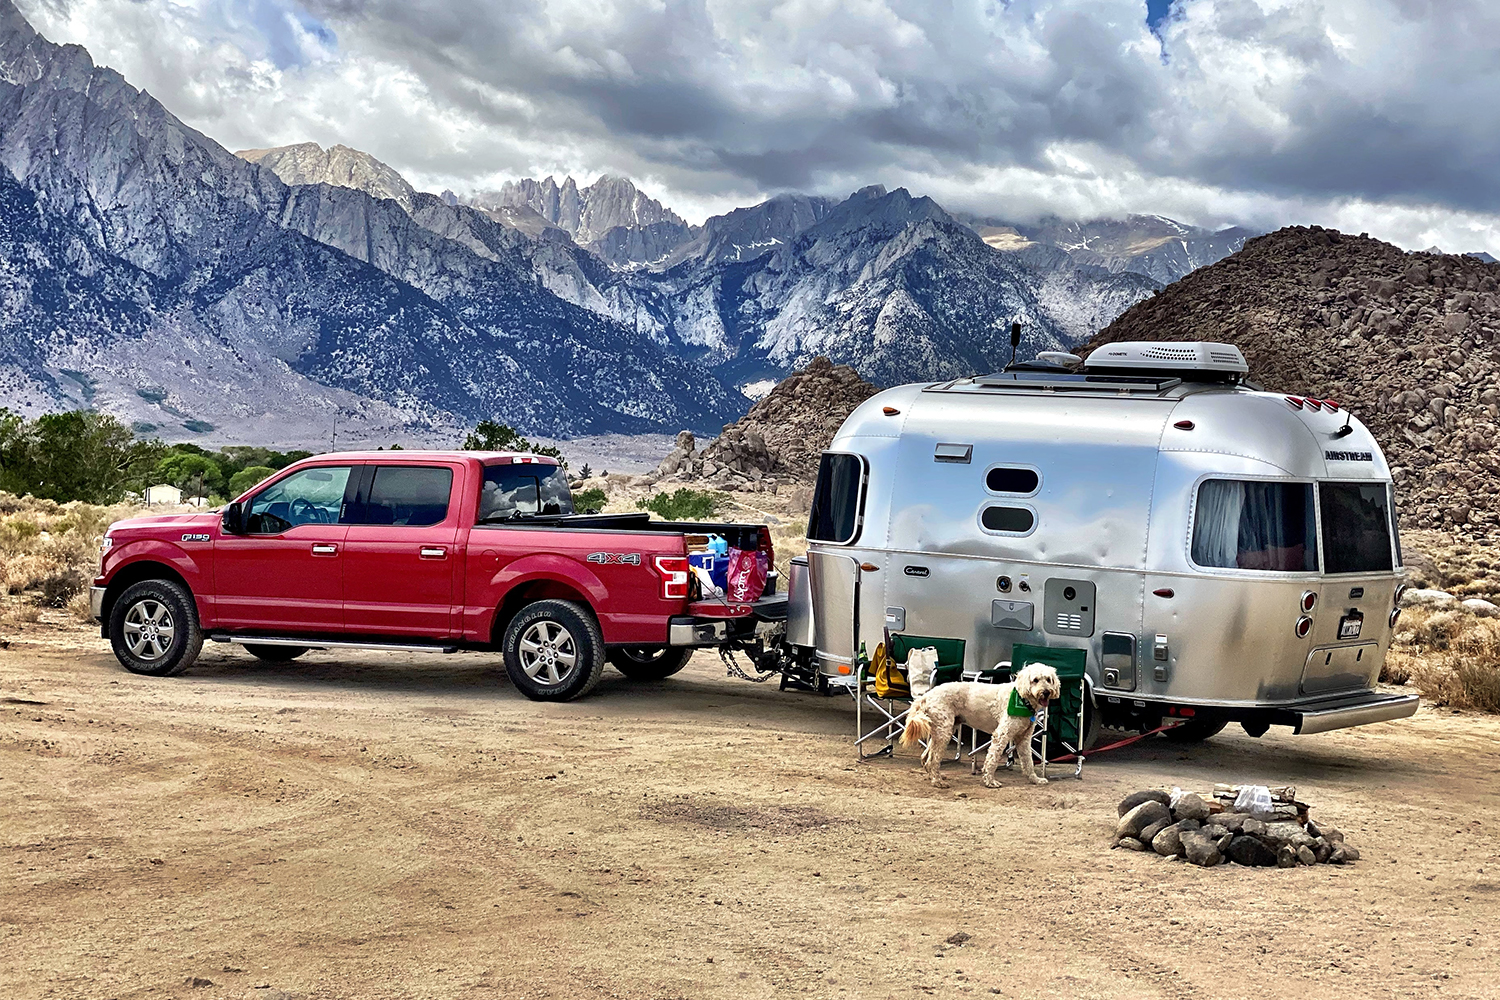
[615, 558]
[195, 538]
[1349, 456]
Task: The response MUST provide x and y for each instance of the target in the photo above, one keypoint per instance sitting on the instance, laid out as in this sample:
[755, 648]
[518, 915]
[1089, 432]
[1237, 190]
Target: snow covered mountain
[1152, 245]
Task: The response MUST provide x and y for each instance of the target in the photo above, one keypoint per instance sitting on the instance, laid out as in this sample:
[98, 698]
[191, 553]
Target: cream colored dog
[988, 708]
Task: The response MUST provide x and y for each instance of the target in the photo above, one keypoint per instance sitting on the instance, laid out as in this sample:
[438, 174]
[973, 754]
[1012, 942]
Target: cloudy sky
[1368, 115]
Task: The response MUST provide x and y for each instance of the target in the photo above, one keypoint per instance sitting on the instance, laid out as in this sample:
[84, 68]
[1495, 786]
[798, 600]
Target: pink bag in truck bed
[746, 577]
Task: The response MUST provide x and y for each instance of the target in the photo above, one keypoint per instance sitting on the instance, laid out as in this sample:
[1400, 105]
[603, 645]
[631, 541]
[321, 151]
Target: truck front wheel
[553, 651]
[650, 663]
[153, 628]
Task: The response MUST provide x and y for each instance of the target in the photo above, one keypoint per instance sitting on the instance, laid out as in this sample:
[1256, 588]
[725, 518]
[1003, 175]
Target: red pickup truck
[435, 551]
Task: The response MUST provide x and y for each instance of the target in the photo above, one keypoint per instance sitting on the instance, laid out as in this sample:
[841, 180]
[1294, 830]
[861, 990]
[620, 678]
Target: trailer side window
[1010, 520]
[1023, 482]
[1242, 524]
[1356, 527]
[837, 499]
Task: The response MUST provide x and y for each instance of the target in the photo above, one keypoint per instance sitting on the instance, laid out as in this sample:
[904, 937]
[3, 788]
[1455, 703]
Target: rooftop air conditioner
[1139, 355]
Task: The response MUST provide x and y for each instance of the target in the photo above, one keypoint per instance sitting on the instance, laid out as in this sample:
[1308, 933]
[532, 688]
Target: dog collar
[1018, 708]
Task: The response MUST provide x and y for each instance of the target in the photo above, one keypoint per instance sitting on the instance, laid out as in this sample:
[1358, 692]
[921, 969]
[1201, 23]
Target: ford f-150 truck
[422, 550]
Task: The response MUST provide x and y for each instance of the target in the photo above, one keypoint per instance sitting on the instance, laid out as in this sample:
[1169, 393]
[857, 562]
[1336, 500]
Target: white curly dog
[1008, 711]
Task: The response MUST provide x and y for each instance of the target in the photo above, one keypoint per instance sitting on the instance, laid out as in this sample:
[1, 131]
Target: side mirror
[233, 520]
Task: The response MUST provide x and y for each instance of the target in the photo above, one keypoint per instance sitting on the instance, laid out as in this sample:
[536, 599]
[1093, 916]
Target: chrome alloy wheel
[149, 629]
[548, 653]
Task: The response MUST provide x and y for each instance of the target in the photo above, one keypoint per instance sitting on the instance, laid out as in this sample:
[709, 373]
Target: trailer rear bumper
[1359, 709]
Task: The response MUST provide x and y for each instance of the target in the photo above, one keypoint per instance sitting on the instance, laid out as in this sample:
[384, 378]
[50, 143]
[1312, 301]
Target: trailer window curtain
[837, 499]
[1243, 524]
[1356, 527]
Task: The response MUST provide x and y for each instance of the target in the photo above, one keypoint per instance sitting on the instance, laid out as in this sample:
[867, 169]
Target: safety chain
[727, 655]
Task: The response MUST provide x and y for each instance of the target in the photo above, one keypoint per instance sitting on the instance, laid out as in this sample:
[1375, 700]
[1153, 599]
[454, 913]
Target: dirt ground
[379, 825]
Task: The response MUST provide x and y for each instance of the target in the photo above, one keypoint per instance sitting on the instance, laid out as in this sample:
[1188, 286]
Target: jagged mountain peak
[339, 165]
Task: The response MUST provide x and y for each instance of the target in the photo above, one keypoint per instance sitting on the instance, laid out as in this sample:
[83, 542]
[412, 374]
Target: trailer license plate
[1349, 626]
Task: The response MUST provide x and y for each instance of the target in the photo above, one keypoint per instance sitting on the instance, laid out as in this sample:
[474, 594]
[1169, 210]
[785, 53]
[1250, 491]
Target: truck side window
[411, 495]
[1247, 524]
[524, 488]
[312, 496]
[837, 499]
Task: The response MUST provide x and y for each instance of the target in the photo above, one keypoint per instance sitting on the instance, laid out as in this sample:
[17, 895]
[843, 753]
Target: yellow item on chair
[890, 681]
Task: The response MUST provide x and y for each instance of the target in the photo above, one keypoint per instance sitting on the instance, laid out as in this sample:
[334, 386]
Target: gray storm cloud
[1367, 114]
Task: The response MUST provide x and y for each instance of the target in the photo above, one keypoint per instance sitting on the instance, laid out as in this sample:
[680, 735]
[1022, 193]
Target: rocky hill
[1407, 341]
[782, 436]
[309, 163]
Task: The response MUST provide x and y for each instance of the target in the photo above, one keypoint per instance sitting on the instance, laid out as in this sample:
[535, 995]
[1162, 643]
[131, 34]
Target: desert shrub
[1450, 655]
[592, 498]
[61, 586]
[683, 504]
[81, 608]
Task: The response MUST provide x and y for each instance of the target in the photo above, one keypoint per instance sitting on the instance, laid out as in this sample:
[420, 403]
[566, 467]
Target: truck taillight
[674, 576]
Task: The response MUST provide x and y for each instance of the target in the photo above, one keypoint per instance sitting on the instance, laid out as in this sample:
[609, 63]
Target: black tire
[650, 663]
[1196, 730]
[145, 614]
[553, 651]
[1090, 720]
[276, 654]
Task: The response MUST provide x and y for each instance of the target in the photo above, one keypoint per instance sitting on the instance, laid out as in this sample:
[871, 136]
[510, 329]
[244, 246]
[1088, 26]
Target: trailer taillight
[674, 576]
[1309, 601]
[1304, 626]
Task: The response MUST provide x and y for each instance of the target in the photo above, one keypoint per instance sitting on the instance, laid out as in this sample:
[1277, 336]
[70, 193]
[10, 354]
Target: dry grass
[1449, 654]
[1463, 568]
[50, 551]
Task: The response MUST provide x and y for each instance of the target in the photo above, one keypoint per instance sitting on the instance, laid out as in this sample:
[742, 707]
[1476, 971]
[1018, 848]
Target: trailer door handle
[433, 552]
[324, 549]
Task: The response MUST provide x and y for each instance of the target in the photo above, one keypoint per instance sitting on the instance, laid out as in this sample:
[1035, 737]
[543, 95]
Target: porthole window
[1009, 479]
[1008, 520]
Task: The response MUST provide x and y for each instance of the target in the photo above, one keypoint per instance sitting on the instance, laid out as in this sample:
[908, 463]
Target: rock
[1200, 850]
[1168, 843]
[1321, 850]
[1148, 834]
[1191, 806]
[1253, 827]
[1482, 608]
[1351, 853]
[1214, 831]
[960, 938]
[1130, 844]
[1222, 843]
[1417, 597]
[1134, 799]
[1286, 857]
[1333, 834]
[1312, 830]
[1189, 824]
[1338, 855]
[1142, 816]
[1285, 832]
[1251, 852]
[1231, 821]
[1306, 856]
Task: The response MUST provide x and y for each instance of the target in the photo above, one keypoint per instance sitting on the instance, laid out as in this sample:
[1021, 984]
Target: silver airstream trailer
[1222, 553]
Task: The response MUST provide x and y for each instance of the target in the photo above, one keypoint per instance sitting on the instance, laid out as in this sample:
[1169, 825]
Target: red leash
[1113, 746]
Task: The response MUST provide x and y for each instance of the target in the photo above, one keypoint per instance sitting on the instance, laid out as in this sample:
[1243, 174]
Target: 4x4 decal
[615, 558]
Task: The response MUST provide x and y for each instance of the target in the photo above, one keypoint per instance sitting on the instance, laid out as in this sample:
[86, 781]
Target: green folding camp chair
[1063, 722]
[890, 712]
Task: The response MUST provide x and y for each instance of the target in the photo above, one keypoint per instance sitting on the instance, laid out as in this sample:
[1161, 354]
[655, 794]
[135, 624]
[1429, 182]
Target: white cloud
[1372, 115]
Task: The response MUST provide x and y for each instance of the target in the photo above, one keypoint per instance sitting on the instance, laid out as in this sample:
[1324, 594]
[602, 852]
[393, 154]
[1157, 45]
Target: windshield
[1356, 527]
[524, 489]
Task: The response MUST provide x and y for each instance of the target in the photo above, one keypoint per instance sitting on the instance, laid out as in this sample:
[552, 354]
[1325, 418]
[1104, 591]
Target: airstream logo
[195, 537]
[615, 558]
[1348, 456]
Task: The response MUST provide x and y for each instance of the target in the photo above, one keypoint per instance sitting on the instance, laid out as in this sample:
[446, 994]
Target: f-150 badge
[195, 537]
[615, 558]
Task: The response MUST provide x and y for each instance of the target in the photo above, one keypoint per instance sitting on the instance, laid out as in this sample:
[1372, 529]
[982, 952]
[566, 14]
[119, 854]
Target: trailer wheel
[650, 663]
[553, 651]
[1090, 720]
[276, 654]
[153, 628]
[1195, 730]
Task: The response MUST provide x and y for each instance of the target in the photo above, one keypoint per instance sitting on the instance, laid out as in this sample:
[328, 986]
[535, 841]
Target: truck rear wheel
[553, 651]
[275, 654]
[650, 663]
[153, 628]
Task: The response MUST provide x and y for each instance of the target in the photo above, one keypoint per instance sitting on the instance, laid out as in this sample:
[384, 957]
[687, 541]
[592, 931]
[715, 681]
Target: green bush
[682, 504]
[592, 498]
[248, 477]
[491, 435]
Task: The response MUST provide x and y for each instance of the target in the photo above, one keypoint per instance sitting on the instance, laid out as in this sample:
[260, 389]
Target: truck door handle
[324, 548]
[433, 552]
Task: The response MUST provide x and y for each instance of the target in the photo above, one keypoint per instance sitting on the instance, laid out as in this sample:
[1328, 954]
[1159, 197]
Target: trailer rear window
[1356, 527]
[1243, 524]
[837, 499]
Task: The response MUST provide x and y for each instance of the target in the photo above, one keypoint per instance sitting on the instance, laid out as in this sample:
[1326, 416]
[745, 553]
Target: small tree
[491, 435]
[195, 475]
[583, 473]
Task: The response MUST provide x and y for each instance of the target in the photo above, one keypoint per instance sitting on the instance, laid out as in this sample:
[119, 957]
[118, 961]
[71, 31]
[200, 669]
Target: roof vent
[1140, 355]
